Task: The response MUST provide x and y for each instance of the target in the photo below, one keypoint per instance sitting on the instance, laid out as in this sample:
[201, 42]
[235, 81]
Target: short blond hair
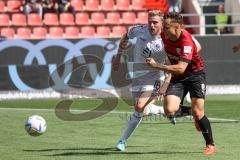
[153, 13]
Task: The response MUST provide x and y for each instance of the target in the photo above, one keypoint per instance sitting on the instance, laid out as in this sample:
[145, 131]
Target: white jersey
[155, 45]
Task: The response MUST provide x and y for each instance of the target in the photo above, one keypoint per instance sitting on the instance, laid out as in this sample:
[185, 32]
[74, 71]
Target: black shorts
[195, 84]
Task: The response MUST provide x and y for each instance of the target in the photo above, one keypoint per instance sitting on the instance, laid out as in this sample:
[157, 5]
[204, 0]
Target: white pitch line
[114, 111]
[222, 119]
[52, 110]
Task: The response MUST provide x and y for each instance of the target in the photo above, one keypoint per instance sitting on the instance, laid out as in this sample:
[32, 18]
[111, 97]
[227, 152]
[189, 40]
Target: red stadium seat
[137, 4]
[67, 19]
[103, 31]
[128, 18]
[142, 17]
[19, 19]
[98, 18]
[92, 5]
[113, 18]
[13, 5]
[34, 19]
[118, 31]
[51, 19]
[4, 20]
[77, 4]
[72, 32]
[87, 31]
[123, 4]
[56, 32]
[107, 5]
[24, 33]
[8, 32]
[2, 6]
[39, 32]
[82, 18]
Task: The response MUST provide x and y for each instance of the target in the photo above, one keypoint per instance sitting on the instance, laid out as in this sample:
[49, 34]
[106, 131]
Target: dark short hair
[174, 16]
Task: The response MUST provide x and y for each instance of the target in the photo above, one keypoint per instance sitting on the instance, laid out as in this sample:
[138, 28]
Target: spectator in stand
[222, 20]
[64, 6]
[175, 5]
[33, 6]
[48, 6]
[233, 7]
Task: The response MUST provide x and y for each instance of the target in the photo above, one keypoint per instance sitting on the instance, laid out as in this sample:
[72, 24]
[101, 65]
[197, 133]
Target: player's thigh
[173, 96]
[171, 103]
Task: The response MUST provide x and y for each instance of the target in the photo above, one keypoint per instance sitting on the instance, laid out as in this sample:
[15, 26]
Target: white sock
[152, 109]
[133, 122]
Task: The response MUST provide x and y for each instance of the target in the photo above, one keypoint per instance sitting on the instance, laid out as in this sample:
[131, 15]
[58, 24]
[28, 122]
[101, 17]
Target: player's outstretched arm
[121, 49]
[178, 68]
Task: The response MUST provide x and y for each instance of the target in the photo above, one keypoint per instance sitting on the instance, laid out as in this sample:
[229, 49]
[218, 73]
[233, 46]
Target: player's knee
[198, 108]
[139, 107]
[146, 111]
[198, 114]
[169, 110]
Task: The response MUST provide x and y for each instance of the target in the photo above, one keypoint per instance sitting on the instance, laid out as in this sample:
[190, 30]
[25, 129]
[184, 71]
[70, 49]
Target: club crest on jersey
[178, 50]
[157, 46]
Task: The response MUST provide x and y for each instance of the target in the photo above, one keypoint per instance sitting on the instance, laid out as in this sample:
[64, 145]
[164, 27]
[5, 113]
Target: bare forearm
[123, 44]
[169, 76]
[175, 69]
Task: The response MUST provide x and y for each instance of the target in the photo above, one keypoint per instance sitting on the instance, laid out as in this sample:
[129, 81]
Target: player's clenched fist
[150, 62]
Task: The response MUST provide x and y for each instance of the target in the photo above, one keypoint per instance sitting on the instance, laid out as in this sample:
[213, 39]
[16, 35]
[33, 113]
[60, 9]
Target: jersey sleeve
[134, 31]
[187, 49]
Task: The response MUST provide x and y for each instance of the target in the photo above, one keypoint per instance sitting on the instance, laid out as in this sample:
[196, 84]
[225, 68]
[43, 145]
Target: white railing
[202, 26]
[210, 2]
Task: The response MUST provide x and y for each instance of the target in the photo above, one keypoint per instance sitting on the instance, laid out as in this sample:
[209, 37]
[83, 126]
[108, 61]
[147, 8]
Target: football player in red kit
[187, 69]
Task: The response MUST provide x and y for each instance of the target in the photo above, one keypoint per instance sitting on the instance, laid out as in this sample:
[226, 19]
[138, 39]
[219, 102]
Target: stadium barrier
[55, 68]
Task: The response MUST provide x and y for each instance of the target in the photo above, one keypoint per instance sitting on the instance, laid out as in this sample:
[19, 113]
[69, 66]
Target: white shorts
[142, 88]
[136, 90]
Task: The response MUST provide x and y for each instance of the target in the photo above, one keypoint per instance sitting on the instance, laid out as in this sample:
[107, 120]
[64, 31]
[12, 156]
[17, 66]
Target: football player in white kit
[145, 89]
[148, 44]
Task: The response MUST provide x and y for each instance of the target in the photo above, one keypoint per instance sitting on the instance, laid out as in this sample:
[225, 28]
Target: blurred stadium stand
[108, 19]
[111, 14]
[92, 16]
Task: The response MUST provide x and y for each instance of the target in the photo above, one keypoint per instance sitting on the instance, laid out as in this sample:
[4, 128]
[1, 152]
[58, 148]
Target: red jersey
[184, 49]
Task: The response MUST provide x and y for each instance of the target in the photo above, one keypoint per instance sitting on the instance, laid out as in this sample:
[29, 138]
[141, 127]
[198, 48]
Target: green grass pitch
[155, 138]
